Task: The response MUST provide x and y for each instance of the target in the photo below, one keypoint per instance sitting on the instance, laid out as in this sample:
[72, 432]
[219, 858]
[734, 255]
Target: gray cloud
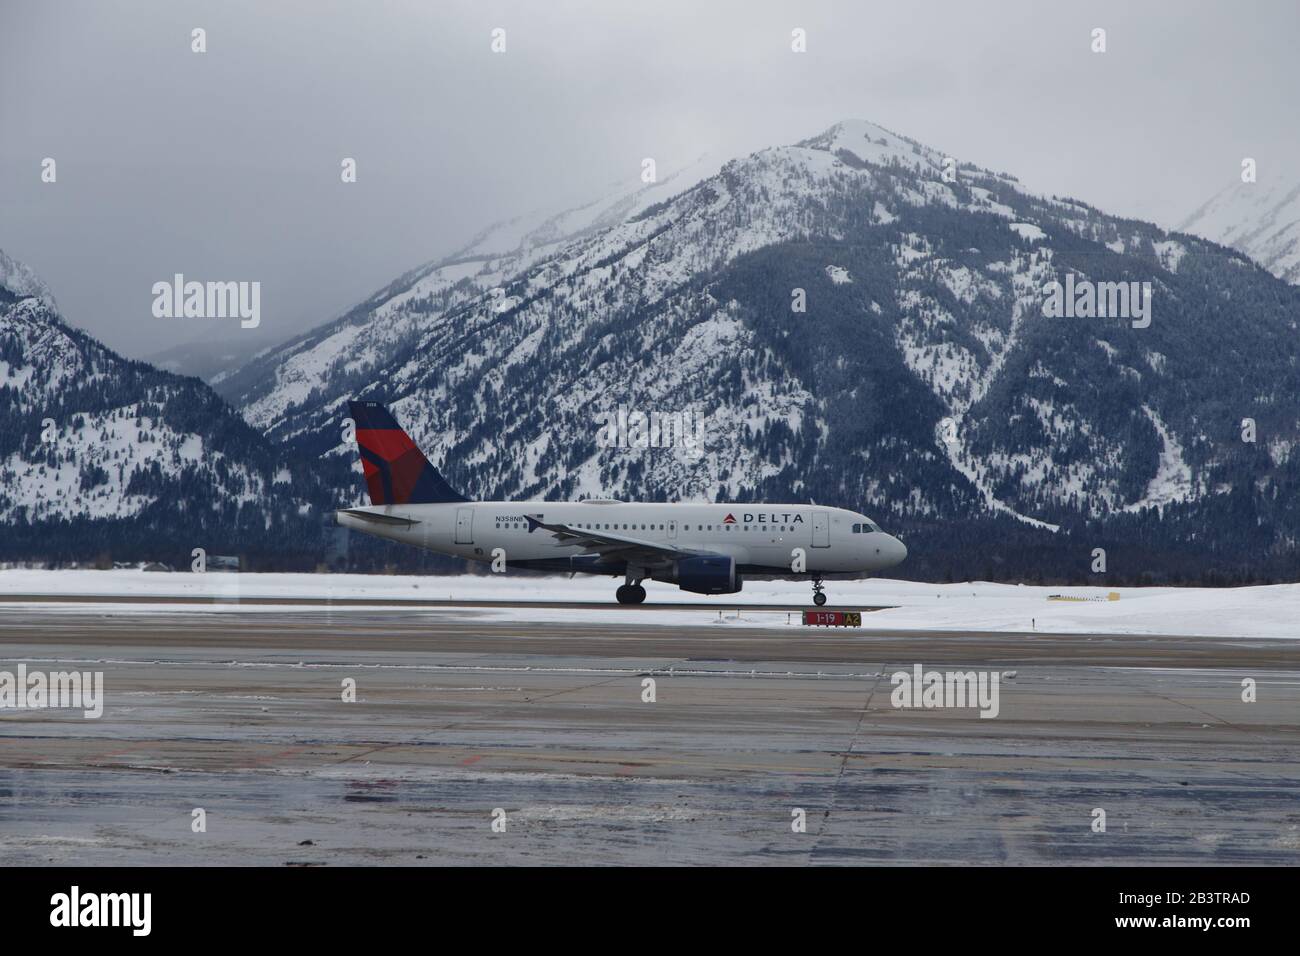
[226, 165]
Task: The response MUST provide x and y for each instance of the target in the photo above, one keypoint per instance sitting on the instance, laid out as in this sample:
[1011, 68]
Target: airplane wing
[616, 547]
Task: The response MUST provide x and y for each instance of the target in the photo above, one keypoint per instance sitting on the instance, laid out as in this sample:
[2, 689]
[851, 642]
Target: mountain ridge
[943, 278]
[920, 379]
[1259, 220]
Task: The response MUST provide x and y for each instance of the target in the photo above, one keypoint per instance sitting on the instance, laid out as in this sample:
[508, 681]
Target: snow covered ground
[1256, 612]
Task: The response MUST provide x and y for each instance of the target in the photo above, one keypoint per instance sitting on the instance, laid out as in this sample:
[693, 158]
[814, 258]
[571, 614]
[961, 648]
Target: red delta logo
[729, 519]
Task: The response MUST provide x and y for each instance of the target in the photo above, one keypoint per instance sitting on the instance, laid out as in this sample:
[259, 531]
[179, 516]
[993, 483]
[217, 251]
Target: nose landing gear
[819, 597]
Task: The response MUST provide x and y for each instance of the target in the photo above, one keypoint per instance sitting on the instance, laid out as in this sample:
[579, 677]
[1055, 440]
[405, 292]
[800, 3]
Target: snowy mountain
[18, 279]
[98, 452]
[1258, 219]
[209, 358]
[374, 331]
[923, 383]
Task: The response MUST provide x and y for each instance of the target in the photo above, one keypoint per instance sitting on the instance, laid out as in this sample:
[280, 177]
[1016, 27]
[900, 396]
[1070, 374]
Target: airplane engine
[705, 574]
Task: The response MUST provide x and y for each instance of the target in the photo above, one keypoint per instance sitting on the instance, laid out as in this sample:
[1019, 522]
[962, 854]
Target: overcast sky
[225, 165]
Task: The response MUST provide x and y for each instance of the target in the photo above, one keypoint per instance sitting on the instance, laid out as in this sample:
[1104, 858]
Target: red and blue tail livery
[397, 473]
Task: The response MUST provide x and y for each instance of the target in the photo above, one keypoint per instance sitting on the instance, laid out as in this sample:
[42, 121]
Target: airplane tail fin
[397, 473]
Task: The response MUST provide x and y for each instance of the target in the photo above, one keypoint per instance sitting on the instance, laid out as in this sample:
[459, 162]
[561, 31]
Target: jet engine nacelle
[706, 574]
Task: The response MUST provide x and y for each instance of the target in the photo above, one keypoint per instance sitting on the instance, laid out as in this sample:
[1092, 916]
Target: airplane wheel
[819, 599]
[630, 594]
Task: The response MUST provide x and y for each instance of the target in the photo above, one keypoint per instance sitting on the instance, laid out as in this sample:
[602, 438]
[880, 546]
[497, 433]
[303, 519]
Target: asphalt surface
[457, 716]
[391, 601]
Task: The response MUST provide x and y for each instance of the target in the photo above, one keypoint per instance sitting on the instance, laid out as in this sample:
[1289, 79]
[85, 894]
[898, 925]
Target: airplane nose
[888, 550]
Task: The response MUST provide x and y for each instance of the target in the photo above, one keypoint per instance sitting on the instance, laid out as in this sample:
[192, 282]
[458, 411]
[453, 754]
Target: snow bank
[1256, 612]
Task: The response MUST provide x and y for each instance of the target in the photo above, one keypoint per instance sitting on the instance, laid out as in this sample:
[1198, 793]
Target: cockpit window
[867, 528]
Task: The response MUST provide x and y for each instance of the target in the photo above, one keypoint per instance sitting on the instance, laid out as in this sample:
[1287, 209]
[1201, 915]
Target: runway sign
[833, 618]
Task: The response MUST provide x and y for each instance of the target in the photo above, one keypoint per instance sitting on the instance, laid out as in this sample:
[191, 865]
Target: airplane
[702, 548]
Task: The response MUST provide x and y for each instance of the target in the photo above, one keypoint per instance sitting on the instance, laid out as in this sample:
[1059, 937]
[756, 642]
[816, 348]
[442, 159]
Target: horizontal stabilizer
[376, 518]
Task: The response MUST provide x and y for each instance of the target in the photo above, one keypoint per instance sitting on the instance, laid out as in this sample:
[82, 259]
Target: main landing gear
[630, 593]
[819, 597]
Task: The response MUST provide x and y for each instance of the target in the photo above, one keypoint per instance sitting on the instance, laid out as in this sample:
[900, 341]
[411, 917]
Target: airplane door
[672, 529]
[821, 529]
[464, 525]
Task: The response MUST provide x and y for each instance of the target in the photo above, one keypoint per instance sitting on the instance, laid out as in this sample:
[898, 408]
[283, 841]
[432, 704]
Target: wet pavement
[459, 721]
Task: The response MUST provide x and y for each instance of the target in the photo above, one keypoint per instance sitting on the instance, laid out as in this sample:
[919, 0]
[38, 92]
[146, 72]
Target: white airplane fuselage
[703, 548]
[764, 540]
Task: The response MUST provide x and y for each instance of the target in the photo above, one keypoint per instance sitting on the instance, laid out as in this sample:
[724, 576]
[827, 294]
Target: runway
[456, 716]
[344, 602]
